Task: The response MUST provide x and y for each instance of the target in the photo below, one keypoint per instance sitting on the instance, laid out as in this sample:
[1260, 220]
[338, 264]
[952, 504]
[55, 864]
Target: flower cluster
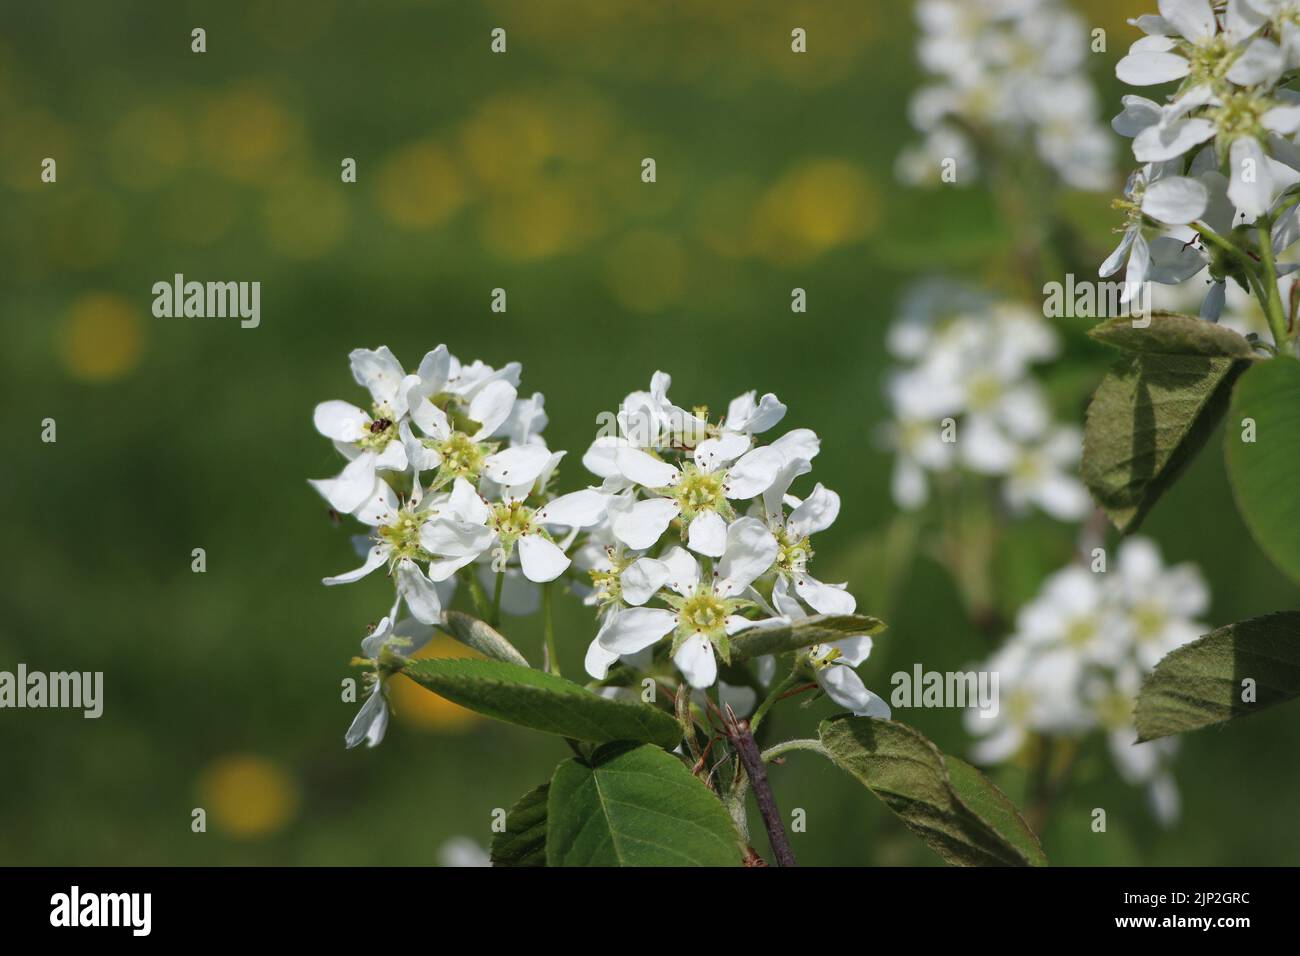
[1217, 153]
[702, 540]
[1010, 74]
[1078, 657]
[964, 397]
[448, 470]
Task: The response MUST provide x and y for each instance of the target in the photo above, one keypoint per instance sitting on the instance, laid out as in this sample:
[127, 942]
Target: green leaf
[477, 634]
[994, 807]
[1150, 416]
[636, 806]
[1172, 333]
[817, 629]
[950, 805]
[1201, 683]
[523, 843]
[1265, 473]
[541, 701]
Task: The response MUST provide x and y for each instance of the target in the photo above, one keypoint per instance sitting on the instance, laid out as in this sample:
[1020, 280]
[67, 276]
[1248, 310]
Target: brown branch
[742, 739]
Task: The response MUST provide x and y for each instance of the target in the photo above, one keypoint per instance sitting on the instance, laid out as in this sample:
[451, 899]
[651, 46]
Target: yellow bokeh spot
[646, 270]
[815, 207]
[305, 216]
[419, 186]
[247, 796]
[101, 338]
[531, 224]
[421, 709]
[244, 133]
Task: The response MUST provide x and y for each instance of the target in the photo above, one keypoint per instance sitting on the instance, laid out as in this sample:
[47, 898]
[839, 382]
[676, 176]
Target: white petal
[419, 592]
[641, 525]
[434, 371]
[707, 534]
[392, 458]
[1157, 144]
[815, 513]
[842, 685]
[753, 473]
[853, 650]
[1117, 257]
[451, 537]
[1176, 200]
[645, 469]
[798, 443]
[578, 509]
[601, 458]
[683, 571]
[751, 549]
[380, 508]
[636, 628]
[1194, 19]
[541, 560]
[1139, 113]
[598, 660]
[1250, 185]
[519, 465]
[353, 485]
[340, 421]
[775, 493]
[1261, 62]
[374, 559]
[379, 371]
[491, 406]
[1241, 20]
[712, 452]
[431, 419]
[696, 661]
[642, 578]
[1173, 260]
[824, 598]
[1149, 69]
[370, 723]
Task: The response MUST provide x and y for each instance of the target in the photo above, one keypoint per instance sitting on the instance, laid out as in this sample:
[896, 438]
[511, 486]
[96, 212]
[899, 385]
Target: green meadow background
[475, 171]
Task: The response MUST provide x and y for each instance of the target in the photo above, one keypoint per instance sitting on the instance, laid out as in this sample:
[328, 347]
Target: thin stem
[776, 693]
[552, 659]
[496, 599]
[783, 748]
[1272, 303]
[477, 593]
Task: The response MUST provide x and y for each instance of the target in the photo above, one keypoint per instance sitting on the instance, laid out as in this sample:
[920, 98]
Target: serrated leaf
[523, 842]
[817, 629]
[1172, 333]
[1265, 473]
[1150, 416]
[1201, 683]
[479, 635]
[957, 813]
[541, 701]
[636, 806]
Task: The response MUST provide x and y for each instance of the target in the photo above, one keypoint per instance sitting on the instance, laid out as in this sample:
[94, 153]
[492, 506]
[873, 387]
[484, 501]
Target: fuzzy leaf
[541, 701]
[523, 843]
[1171, 333]
[479, 635]
[1150, 416]
[636, 806]
[1201, 683]
[949, 804]
[1265, 473]
[812, 630]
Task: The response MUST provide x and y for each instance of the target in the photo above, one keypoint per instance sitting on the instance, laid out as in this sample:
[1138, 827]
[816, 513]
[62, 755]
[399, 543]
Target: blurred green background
[475, 171]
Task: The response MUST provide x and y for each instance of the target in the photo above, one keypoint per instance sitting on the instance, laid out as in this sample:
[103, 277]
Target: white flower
[386, 643]
[470, 526]
[698, 491]
[702, 613]
[1043, 475]
[833, 663]
[398, 544]
[367, 439]
[793, 533]
[1161, 603]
